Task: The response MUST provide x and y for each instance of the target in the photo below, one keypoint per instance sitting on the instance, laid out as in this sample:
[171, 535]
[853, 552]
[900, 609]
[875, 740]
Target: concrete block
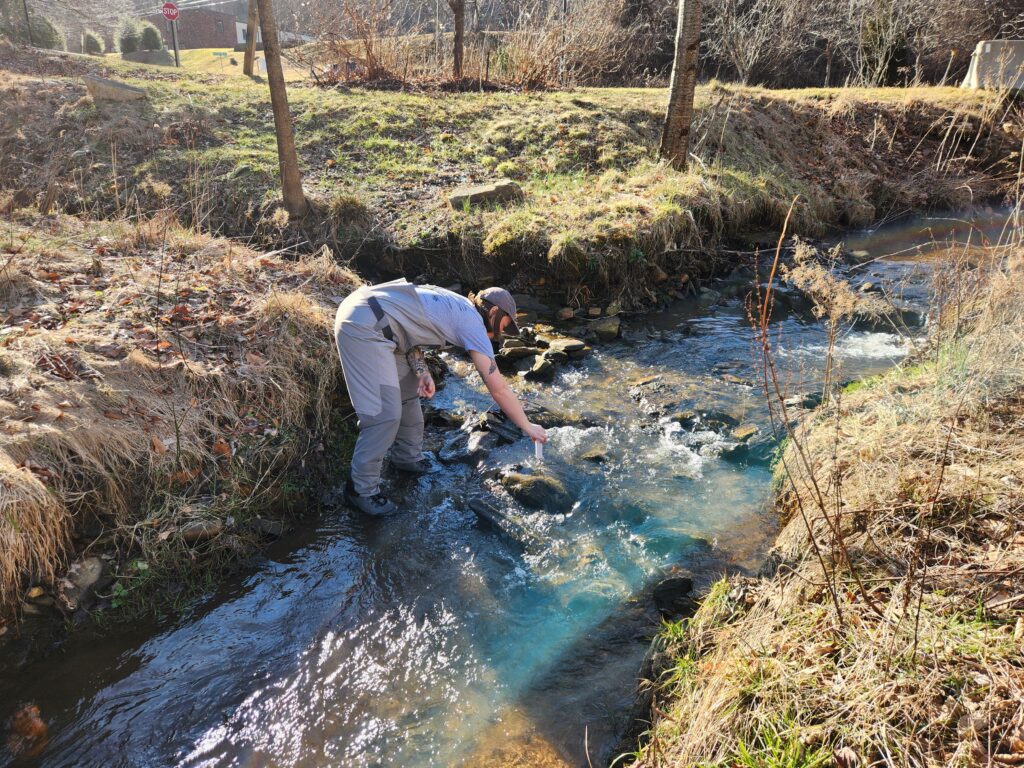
[102, 89]
[996, 64]
[499, 191]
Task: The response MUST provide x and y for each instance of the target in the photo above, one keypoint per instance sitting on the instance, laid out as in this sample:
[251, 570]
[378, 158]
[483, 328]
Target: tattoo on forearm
[493, 368]
[417, 361]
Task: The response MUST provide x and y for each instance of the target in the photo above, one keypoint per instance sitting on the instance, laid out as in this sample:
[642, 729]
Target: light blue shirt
[455, 317]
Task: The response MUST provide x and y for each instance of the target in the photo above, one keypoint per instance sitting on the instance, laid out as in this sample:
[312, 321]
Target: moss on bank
[890, 630]
[159, 391]
[600, 217]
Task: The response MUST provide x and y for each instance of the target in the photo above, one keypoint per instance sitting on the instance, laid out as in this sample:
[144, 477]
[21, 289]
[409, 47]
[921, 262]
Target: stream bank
[430, 639]
[885, 627]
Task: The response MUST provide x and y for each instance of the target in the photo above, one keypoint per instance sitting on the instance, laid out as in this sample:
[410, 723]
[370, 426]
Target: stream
[431, 639]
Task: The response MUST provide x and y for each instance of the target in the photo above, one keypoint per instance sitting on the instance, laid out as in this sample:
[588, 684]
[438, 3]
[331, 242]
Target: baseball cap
[502, 299]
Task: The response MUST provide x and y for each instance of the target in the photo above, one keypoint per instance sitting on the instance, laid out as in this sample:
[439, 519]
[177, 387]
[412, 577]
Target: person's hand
[536, 433]
[425, 386]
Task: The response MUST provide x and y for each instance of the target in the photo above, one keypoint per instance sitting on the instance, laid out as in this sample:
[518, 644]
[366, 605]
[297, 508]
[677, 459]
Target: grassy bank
[889, 630]
[160, 390]
[601, 218]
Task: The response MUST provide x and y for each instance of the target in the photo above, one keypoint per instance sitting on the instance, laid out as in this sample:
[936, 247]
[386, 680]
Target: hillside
[600, 217]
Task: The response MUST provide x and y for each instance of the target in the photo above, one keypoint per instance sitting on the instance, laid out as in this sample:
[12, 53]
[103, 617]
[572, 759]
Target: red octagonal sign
[170, 11]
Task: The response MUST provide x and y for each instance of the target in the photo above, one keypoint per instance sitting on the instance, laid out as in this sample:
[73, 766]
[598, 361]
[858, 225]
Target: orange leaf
[222, 449]
[163, 346]
[158, 446]
[185, 476]
[114, 415]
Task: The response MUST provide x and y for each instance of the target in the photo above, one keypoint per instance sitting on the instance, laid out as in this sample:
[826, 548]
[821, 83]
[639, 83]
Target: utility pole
[291, 178]
[28, 24]
[252, 32]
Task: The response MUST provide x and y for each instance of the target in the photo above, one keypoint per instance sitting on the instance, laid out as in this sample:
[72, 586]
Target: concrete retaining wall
[996, 64]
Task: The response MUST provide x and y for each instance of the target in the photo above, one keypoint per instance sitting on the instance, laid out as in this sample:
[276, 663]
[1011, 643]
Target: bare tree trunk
[28, 24]
[291, 179]
[459, 10]
[438, 54]
[252, 32]
[675, 138]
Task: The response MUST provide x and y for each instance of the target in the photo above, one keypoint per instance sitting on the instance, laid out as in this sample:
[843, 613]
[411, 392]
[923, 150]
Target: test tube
[538, 450]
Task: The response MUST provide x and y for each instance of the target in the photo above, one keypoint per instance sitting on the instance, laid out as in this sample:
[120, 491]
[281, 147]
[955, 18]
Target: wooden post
[252, 32]
[458, 46]
[291, 178]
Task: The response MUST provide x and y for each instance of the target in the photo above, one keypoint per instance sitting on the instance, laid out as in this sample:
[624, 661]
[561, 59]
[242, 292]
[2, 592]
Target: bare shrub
[538, 46]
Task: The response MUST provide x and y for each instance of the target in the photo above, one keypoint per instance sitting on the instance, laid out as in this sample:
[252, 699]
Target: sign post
[170, 12]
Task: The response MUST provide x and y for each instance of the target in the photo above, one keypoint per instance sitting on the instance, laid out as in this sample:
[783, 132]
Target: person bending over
[381, 332]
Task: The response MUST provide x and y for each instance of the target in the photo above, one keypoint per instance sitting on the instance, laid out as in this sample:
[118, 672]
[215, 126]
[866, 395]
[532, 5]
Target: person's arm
[418, 363]
[505, 397]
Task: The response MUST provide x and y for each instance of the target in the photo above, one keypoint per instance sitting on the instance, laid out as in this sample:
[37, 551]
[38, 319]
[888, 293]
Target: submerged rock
[262, 525]
[499, 424]
[78, 587]
[744, 433]
[573, 348]
[555, 357]
[468, 447]
[538, 491]
[673, 596]
[517, 353]
[439, 417]
[714, 420]
[806, 400]
[504, 522]
[542, 370]
[758, 450]
[606, 328]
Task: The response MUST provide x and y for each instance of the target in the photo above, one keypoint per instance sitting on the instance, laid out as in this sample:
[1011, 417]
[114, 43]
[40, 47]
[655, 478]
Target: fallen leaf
[114, 415]
[222, 449]
[158, 446]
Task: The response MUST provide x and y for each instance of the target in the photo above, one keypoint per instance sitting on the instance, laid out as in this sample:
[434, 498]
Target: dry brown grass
[917, 659]
[149, 376]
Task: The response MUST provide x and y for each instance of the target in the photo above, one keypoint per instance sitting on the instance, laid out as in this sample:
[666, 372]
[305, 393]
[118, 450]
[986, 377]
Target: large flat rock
[500, 191]
[102, 89]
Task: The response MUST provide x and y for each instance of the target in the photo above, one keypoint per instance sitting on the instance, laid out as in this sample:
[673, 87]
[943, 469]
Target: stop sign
[170, 11]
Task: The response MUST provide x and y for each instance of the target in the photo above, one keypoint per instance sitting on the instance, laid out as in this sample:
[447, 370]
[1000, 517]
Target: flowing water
[428, 639]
